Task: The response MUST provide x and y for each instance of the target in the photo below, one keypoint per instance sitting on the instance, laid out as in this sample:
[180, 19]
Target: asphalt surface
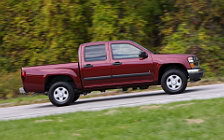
[100, 103]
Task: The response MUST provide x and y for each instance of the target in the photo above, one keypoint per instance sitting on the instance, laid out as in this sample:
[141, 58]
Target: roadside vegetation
[195, 120]
[37, 32]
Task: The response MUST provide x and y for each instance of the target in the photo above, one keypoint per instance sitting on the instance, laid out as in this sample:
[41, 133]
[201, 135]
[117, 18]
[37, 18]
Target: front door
[127, 67]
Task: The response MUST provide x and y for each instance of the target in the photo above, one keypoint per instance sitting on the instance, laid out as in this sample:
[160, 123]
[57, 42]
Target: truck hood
[171, 58]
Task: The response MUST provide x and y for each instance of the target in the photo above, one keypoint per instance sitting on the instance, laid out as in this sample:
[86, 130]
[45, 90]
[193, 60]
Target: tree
[114, 20]
[42, 32]
[196, 26]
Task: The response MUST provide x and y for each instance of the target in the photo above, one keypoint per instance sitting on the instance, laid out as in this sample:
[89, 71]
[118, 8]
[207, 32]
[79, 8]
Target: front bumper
[22, 91]
[195, 74]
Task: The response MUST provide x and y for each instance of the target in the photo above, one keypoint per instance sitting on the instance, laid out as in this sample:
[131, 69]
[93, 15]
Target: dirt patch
[181, 105]
[59, 119]
[76, 134]
[111, 112]
[194, 121]
[51, 133]
[123, 126]
[149, 107]
[41, 121]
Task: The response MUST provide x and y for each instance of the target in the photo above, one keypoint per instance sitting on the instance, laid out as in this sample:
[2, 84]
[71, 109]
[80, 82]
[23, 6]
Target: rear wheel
[174, 81]
[61, 94]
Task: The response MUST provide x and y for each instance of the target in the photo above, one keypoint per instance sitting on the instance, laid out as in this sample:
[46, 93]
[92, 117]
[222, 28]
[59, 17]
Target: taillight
[23, 74]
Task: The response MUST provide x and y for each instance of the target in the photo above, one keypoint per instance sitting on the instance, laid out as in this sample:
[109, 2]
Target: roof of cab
[103, 42]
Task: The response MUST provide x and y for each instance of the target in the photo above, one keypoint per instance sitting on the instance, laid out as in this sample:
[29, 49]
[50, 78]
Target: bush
[9, 85]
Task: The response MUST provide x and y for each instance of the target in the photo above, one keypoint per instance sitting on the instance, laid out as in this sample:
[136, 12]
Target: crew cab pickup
[107, 65]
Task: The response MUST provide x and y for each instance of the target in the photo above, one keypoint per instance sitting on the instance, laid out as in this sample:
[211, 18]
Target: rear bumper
[195, 74]
[22, 91]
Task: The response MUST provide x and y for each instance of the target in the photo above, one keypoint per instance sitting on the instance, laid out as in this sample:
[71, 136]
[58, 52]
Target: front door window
[124, 51]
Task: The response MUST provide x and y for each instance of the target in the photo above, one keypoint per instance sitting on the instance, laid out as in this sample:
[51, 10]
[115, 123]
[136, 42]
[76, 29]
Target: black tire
[76, 97]
[65, 88]
[180, 82]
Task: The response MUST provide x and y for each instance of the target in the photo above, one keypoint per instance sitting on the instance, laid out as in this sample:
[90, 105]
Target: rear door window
[95, 53]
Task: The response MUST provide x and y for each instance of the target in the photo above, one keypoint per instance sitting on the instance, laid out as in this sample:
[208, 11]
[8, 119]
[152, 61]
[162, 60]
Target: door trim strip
[98, 77]
[131, 75]
[118, 76]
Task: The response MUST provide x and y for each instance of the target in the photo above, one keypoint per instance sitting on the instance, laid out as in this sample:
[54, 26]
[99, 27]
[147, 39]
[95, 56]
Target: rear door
[127, 67]
[95, 65]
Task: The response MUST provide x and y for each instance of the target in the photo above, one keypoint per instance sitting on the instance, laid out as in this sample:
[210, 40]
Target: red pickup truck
[108, 65]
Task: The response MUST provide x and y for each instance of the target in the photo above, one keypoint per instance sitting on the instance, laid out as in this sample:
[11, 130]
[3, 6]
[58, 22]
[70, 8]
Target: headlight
[194, 62]
[190, 59]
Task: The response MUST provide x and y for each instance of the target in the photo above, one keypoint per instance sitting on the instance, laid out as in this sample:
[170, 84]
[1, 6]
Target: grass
[24, 100]
[193, 120]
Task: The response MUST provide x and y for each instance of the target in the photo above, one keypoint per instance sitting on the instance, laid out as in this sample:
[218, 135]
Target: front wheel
[61, 94]
[174, 81]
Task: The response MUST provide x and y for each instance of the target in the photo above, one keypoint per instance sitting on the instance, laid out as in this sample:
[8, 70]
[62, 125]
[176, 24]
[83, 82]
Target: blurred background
[37, 32]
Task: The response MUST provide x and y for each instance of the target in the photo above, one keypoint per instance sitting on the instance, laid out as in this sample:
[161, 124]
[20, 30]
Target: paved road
[100, 103]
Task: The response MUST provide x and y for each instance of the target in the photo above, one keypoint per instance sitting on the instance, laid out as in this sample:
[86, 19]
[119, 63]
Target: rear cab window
[95, 53]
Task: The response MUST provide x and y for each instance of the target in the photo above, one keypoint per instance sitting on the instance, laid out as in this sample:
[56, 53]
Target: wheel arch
[169, 66]
[51, 79]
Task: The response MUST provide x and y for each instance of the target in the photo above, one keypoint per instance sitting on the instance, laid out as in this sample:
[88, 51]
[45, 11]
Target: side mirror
[143, 55]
